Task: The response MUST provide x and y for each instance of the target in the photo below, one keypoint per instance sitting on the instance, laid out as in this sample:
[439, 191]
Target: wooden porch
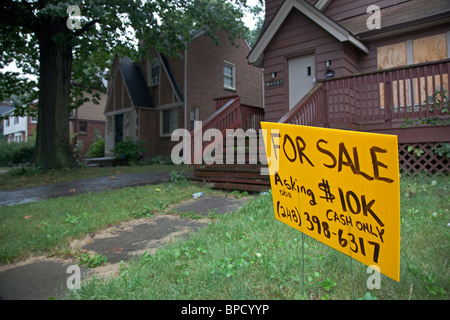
[241, 170]
[411, 102]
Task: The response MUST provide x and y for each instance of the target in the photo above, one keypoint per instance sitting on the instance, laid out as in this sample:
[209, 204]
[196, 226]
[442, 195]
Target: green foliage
[168, 25]
[177, 176]
[15, 153]
[91, 261]
[129, 149]
[24, 169]
[97, 148]
[437, 101]
[443, 150]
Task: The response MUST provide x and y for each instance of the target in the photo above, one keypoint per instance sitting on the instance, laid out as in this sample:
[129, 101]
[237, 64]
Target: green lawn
[250, 255]
[245, 255]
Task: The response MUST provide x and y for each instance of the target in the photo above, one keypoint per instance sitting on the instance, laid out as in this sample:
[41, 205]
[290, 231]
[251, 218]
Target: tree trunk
[53, 149]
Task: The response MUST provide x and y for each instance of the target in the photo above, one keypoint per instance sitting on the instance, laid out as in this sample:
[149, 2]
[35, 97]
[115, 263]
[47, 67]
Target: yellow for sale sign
[339, 187]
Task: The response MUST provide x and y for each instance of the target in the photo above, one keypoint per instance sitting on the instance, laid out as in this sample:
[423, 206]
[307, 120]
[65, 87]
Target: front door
[302, 75]
[118, 128]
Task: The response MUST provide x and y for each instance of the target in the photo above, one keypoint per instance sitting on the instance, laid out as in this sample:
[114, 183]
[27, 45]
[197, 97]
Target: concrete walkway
[20, 196]
[42, 278]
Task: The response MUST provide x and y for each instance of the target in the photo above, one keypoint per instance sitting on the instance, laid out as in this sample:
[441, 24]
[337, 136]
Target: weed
[91, 261]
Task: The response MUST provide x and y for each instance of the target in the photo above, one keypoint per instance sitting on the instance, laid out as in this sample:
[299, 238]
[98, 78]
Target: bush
[25, 169]
[15, 153]
[97, 148]
[130, 150]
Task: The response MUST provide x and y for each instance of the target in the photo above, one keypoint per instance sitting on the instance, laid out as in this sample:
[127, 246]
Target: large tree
[64, 43]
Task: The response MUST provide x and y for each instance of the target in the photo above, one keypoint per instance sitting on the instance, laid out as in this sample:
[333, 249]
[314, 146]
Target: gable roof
[135, 84]
[173, 82]
[336, 30]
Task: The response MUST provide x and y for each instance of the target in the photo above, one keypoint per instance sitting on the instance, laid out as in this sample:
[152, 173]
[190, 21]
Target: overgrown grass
[46, 227]
[250, 255]
[11, 181]
[245, 255]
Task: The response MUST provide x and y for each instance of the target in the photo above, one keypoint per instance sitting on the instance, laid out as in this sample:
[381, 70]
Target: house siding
[339, 10]
[299, 35]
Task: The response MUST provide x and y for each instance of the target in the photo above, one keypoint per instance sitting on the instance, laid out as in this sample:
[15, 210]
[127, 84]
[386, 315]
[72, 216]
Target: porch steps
[242, 177]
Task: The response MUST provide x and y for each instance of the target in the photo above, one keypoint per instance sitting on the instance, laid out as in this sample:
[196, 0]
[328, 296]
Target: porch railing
[232, 115]
[388, 98]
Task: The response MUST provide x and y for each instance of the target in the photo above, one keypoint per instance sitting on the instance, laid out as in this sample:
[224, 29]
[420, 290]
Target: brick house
[149, 99]
[86, 121]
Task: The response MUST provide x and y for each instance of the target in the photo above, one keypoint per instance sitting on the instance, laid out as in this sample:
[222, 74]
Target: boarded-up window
[429, 49]
[407, 92]
[390, 56]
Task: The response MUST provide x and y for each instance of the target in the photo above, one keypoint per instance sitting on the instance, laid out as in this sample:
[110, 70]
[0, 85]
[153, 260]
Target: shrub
[25, 169]
[97, 148]
[129, 150]
[15, 153]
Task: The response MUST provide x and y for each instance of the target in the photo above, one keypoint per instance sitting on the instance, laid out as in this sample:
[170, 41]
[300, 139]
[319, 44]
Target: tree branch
[86, 27]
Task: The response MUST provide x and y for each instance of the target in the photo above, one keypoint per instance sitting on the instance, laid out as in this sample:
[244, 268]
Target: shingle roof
[135, 84]
[4, 109]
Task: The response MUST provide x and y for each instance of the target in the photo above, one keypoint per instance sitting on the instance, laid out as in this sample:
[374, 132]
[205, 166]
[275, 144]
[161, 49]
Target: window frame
[79, 127]
[195, 112]
[173, 123]
[233, 76]
[153, 64]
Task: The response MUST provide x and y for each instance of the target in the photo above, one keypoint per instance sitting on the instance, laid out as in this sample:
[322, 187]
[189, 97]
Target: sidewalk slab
[47, 278]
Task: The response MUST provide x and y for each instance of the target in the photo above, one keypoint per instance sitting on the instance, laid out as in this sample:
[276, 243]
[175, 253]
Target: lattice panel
[415, 158]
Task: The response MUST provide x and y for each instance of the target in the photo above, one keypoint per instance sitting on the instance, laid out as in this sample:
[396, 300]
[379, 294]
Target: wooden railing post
[325, 107]
[387, 102]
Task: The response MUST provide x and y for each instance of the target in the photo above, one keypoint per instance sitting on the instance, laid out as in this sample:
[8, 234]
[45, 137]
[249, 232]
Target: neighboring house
[86, 122]
[5, 106]
[18, 129]
[149, 99]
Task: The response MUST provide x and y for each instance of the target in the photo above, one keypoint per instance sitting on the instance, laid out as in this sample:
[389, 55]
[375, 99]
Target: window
[7, 122]
[194, 116]
[229, 76]
[169, 121]
[153, 72]
[83, 127]
[16, 120]
[110, 124]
